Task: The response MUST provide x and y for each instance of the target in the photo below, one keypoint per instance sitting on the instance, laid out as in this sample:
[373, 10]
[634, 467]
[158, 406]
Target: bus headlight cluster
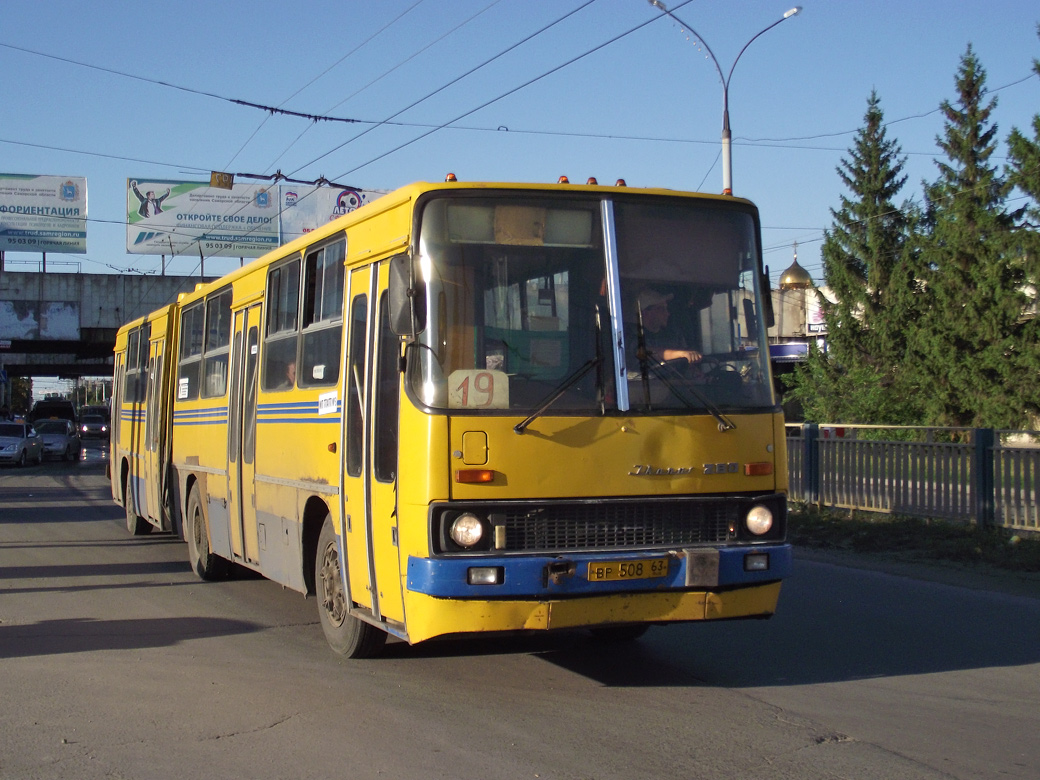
[759, 520]
[466, 530]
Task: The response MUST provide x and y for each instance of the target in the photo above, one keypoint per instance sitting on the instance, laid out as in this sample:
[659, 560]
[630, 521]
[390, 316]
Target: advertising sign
[43, 214]
[192, 218]
[305, 207]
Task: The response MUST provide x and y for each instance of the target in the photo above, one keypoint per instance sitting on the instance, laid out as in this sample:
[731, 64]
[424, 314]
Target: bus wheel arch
[314, 513]
[347, 635]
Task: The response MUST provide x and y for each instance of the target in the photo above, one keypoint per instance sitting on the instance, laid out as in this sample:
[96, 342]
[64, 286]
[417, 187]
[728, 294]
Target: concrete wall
[58, 324]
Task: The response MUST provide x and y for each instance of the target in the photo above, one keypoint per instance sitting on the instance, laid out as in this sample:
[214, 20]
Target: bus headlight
[466, 530]
[759, 520]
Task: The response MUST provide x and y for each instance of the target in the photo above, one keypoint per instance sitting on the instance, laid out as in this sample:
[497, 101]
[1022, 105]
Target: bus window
[249, 402]
[132, 366]
[218, 340]
[355, 384]
[322, 316]
[283, 304]
[191, 353]
[387, 394]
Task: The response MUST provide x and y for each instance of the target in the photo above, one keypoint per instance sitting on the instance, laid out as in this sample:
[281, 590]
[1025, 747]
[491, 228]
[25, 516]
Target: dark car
[93, 426]
[53, 408]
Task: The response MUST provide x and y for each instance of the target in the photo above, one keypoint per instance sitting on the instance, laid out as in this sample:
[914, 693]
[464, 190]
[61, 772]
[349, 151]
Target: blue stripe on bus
[525, 577]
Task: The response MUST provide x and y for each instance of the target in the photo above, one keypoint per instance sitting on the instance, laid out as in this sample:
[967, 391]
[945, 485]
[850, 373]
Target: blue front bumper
[543, 577]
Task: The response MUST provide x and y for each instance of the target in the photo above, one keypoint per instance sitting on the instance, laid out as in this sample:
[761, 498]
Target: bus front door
[241, 436]
[369, 491]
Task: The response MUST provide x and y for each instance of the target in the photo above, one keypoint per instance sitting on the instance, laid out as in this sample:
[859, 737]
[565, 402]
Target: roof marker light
[620, 183]
[592, 180]
[450, 177]
[563, 180]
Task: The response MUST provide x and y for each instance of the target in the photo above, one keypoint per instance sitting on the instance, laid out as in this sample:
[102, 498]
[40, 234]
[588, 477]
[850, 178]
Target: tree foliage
[865, 260]
[935, 321]
[974, 347]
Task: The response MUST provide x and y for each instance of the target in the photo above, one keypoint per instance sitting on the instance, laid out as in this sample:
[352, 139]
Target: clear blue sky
[646, 107]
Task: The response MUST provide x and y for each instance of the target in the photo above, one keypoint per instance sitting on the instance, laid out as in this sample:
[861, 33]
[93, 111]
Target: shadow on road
[78, 635]
[834, 624]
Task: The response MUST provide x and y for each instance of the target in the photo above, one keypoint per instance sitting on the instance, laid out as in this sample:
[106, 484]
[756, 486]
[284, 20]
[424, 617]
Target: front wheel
[346, 634]
[196, 532]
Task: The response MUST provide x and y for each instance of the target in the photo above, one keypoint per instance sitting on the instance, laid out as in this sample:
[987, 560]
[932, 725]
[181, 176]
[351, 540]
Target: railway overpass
[64, 325]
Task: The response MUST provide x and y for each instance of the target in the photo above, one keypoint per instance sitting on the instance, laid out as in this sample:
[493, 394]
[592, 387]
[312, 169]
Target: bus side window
[322, 316]
[218, 341]
[191, 353]
[283, 304]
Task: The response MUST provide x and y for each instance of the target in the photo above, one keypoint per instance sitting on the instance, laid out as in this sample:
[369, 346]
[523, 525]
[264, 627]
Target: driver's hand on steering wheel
[689, 355]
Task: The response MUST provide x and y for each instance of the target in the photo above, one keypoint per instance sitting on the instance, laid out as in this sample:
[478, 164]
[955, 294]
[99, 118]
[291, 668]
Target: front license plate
[603, 571]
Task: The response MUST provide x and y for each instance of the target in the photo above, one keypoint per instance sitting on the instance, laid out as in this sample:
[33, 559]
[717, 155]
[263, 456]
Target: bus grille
[559, 527]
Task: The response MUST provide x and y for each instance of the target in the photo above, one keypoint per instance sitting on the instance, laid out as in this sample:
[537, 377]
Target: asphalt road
[116, 662]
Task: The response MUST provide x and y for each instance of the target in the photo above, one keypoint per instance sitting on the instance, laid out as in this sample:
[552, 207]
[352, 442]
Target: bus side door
[384, 394]
[242, 436]
[153, 450]
[369, 496]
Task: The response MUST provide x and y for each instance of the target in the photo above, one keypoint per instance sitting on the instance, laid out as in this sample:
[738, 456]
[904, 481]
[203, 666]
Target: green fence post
[983, 485]
[811, 462]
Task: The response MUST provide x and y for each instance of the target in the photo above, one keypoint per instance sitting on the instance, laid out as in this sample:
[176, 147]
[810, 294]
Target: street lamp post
[727, 156]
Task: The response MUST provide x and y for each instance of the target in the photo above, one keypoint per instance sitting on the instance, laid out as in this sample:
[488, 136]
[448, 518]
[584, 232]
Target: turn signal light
[469, 476]
[763, 469]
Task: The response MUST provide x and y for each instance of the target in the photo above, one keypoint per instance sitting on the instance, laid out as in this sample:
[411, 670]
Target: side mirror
[767, 299]
[407, 298]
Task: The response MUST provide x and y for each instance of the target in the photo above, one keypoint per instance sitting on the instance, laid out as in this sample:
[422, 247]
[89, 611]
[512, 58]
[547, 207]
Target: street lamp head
[793, 12]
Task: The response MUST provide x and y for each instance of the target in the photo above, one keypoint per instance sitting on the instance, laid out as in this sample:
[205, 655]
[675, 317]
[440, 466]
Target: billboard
[306, 207]
[43, 213]
[166, 217]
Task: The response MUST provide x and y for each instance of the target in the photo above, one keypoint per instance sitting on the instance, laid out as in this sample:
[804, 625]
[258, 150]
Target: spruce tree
[866, 265]
[971, 350]
[1024, 164]
[1023, 172]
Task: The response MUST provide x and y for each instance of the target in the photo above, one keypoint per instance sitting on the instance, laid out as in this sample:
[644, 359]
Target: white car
[60, 438]
[19, 444]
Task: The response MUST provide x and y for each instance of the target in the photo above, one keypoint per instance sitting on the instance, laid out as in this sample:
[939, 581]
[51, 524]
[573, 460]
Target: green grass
[912, 538]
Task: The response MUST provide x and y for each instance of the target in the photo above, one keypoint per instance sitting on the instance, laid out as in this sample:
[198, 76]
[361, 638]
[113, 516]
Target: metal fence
[971, 474]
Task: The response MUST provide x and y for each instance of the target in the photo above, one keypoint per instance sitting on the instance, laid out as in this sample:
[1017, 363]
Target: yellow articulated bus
[475, 407]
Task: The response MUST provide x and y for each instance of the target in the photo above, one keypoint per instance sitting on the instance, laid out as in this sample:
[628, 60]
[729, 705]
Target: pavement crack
[256, 730]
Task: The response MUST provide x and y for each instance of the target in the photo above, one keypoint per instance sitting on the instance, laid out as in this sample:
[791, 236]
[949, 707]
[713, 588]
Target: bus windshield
[595, 306]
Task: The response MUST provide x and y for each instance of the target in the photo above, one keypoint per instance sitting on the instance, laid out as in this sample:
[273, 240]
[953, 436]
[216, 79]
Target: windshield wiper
[566, 385]
[572, 380]
[660, 370]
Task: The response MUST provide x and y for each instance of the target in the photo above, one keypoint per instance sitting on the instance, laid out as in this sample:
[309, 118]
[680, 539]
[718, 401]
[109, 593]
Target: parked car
[93, 426]
[60, 439]
[19, 443]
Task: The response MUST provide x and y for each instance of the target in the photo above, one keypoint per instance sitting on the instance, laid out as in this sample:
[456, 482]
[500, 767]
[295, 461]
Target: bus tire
[135, 524]
[346, 634]
[196, 533]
